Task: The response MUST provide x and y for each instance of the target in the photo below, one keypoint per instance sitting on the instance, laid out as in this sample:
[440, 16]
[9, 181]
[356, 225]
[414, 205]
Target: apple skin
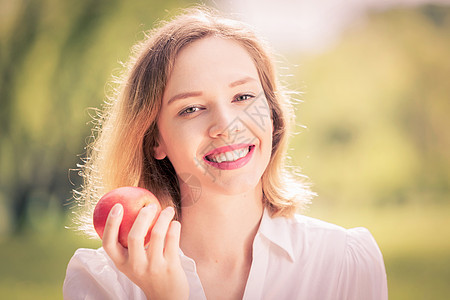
[132, 200]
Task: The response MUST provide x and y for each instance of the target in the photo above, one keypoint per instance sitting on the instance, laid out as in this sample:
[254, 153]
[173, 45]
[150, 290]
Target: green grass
[414, 240]
[33, 265]
[419, 276]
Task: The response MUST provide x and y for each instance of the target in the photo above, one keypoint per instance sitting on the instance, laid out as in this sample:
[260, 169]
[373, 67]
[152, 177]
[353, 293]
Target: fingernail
[170, 209]
[116, 210]
[151, 206]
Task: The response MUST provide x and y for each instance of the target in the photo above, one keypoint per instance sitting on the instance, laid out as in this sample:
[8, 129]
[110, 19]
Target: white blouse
[298, 258]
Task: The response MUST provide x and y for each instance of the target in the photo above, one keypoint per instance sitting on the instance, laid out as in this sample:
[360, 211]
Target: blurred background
[373, 83]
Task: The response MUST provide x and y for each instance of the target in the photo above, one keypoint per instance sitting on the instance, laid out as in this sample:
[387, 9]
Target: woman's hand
[156, 269]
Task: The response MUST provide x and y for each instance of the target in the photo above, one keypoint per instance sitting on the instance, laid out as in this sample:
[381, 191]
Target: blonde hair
[122, 153]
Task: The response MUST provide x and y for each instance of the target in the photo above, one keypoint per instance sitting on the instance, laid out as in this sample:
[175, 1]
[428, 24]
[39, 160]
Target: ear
[159, 151]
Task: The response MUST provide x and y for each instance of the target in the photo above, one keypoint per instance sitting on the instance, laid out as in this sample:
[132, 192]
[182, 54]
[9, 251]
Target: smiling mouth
[229, 156]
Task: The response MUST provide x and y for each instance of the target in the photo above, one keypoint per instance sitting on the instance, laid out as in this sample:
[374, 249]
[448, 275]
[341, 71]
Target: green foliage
[33, 264]
[376, 109]
[55, 60]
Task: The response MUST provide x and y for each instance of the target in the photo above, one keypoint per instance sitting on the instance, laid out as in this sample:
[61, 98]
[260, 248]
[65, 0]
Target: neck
[221, 228]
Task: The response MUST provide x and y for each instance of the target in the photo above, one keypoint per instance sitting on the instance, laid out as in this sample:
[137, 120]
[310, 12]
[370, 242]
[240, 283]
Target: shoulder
[352, 255]
[319, 231]
[92, 261]
[355, 244]
[311, 223]
[91, 273]
[347, 261]
[304, 230]
[90, 258]
[311, 238]
[301, 234]
[363, 272]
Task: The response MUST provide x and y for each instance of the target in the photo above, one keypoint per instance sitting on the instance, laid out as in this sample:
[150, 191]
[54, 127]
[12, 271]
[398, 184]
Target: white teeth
[222, 157]
[235, 154]
[229, 156]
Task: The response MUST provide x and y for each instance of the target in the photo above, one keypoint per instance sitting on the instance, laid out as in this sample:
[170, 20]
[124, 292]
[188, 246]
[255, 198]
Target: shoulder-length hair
[122, 153]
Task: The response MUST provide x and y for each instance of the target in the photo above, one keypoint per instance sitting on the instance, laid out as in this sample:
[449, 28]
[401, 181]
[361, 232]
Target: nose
[224, 123]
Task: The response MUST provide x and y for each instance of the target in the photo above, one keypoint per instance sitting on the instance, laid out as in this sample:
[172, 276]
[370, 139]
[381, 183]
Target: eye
[188, 110]
[243, 97]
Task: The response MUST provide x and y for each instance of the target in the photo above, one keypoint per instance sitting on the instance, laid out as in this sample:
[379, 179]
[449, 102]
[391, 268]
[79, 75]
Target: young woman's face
[215, 122]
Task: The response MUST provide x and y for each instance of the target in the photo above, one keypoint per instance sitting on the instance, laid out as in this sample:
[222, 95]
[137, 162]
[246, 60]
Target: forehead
[208, 60]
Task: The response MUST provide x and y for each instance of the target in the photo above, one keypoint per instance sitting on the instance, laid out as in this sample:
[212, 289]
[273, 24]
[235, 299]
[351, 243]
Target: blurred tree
[55, 58]
[376, 107]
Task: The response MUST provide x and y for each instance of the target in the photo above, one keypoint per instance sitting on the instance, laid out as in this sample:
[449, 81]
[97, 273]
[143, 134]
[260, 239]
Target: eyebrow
[241, 81]
[184, 96]
[197, 94]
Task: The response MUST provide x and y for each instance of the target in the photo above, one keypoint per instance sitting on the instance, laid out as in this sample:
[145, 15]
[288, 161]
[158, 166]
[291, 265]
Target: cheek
[180, 144]
[171, 133]
[269, 139]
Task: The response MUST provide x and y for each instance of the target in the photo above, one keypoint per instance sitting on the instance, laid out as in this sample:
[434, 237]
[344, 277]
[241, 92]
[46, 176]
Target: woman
[201, 122]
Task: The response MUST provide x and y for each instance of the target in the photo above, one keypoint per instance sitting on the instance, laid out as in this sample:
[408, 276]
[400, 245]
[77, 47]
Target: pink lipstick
[230, 157]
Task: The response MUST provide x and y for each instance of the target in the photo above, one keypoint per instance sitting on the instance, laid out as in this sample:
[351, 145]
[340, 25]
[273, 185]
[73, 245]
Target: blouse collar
[277, 231]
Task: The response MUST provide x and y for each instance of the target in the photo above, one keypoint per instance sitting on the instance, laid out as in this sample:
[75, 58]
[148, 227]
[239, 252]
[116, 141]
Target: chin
[237, 185]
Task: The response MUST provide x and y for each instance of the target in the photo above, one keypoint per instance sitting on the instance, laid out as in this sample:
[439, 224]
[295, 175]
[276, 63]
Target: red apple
[132, 200]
